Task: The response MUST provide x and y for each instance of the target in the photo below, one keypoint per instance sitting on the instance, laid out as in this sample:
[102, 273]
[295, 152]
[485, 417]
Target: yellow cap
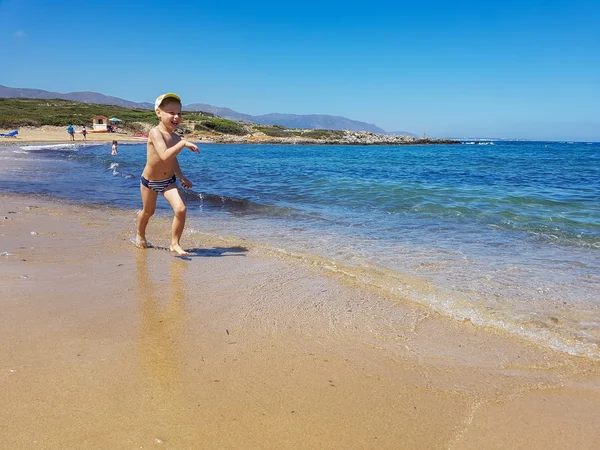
[163, 97]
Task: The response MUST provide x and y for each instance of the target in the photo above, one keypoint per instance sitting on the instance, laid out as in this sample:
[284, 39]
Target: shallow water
[505, 235]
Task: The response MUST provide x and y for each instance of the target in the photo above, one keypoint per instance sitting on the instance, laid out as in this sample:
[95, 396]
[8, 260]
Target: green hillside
[18, 112]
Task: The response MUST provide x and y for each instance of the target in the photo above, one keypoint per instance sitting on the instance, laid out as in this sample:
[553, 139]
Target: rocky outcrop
[348, 138]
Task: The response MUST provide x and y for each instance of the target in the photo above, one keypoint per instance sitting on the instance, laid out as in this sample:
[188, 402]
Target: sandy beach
[59, 134]
[107, 346]
[52, 134]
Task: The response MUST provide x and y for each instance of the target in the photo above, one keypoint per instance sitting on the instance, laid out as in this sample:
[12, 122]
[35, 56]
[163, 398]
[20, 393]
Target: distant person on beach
[71, 132]
[114, 148]
[84, 132]
[162, 170]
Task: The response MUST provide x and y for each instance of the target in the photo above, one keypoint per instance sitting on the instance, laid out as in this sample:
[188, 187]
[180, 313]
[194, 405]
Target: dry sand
[52, 134]
[59, 134]
[103, 345]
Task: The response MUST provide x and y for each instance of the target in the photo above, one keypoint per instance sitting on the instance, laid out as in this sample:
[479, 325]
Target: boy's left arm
[184, 181]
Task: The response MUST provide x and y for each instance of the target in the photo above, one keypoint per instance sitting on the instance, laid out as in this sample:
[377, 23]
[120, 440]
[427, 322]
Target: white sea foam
[115, 168]
[73, 147]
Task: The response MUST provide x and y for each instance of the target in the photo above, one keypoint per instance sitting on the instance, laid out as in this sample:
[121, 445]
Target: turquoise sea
[504, 234]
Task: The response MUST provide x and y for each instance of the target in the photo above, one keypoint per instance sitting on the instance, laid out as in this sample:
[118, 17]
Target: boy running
[162, 169]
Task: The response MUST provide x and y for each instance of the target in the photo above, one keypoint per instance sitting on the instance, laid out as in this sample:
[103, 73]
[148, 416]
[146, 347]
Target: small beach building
[100, 123]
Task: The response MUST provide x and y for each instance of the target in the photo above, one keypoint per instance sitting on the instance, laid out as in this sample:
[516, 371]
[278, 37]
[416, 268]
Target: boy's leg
[148, 207]
[180, 210]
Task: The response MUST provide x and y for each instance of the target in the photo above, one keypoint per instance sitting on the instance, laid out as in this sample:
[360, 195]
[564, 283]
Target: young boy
[162, 169]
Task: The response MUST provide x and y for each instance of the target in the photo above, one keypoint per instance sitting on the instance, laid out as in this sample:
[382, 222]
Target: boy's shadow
[207, 252]
[216, 252]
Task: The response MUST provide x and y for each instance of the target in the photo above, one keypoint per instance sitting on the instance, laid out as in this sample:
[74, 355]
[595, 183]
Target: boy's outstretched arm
[166, 153]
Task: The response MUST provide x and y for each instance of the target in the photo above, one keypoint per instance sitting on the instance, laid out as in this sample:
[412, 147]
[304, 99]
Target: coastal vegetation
[274, 130]
[19, 112]
[283, 132]
[219, 125]
[324, 134]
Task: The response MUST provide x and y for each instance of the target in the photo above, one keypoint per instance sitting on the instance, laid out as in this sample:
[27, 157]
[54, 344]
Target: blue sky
[522, 69]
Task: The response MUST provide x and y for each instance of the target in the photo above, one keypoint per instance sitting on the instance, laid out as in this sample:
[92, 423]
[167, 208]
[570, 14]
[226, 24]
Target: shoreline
[54, 135]
[59, 135]
[242, 348]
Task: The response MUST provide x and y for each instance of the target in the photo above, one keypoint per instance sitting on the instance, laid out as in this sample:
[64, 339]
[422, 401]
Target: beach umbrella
[114, 119]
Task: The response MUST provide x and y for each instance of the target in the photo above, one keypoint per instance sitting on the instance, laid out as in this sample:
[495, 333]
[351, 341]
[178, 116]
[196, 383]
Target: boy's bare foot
[141, 242]
[177, 248]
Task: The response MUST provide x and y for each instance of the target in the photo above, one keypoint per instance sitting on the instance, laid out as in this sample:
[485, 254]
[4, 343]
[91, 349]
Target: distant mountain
[312, 121]
[400, 133]
[317, 121]
[225, 113]
[84, 97]
[309, 121]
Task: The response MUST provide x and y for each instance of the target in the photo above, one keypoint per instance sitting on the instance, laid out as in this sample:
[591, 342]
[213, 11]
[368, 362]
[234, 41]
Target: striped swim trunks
[158, 186]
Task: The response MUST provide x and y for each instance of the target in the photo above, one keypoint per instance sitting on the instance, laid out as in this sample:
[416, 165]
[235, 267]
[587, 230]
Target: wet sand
[103, 345]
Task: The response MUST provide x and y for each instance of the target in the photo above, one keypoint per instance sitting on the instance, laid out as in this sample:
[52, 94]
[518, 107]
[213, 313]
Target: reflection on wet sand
[163, 318]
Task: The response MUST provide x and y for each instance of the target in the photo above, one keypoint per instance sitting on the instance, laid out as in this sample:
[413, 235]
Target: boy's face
[169, 115]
